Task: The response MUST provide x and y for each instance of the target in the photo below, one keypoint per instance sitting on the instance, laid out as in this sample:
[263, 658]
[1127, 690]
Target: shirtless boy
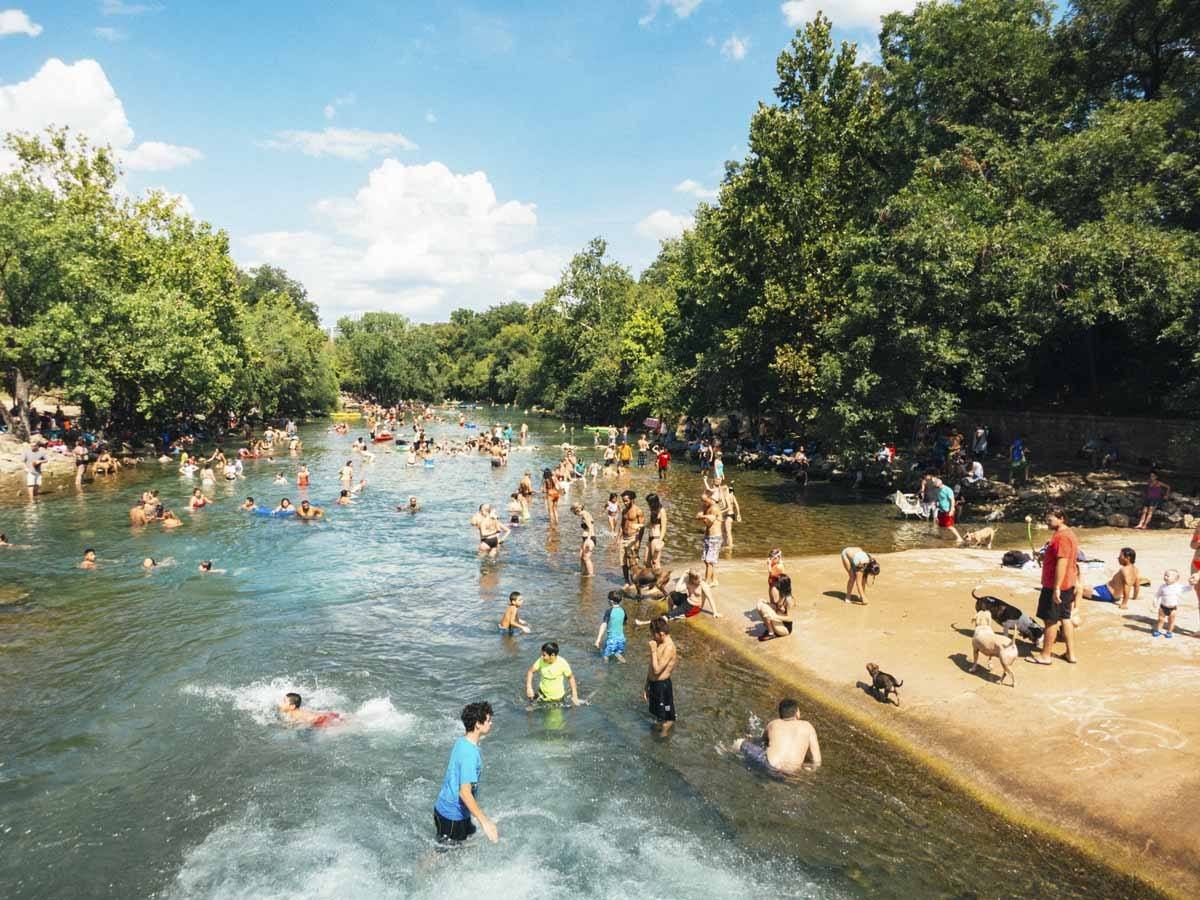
[787, 744]
[290, 707]
[659, 693]
[512, 622]
[1123, 586]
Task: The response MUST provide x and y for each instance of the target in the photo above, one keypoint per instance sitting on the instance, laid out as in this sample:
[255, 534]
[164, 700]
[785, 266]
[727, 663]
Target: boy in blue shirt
[456, 801]
[614, 624]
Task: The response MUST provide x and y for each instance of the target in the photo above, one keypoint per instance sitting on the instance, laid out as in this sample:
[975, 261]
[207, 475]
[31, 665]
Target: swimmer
[4, 540]
[170, 520]
[198, 500]
[492, 532]
[360, 487]
[249, 504]
[344, 498]
[515, 508]
[551, 669]
[788, 744]
[588, 539]
[308, 511]
[411, 507]
[89, 559]
[346, 473]
[149, 563]
[285, 506]
[137, 515]
[290, 707]
[280, 478]
[206, 565]
[302, 477]
[512, 620]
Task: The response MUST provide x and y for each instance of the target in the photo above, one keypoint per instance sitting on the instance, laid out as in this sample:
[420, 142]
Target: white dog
[990, 644]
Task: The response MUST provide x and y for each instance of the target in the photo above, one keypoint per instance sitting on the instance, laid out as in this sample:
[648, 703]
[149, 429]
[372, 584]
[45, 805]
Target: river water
[141, 755]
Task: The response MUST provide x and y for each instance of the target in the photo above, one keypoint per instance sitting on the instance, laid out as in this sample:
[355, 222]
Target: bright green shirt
[553, 678]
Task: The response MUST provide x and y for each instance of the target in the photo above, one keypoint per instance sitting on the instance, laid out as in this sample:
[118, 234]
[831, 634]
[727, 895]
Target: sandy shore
[1105, 753]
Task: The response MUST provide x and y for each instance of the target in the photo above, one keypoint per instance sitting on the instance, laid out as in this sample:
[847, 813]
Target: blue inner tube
[263, 511]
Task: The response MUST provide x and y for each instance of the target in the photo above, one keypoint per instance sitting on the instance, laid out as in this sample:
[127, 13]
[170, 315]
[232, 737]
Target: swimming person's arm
[814, 748]
[466, 793]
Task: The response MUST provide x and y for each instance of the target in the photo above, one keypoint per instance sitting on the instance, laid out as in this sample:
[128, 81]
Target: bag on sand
[1015, 559]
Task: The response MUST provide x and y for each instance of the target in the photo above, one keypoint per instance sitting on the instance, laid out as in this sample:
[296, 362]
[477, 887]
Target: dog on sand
[993, 646]
[883, 684]
[1009, 617]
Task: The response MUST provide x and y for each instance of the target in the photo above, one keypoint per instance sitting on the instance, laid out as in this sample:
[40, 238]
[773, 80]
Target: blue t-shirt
[465, 767]
[614, 616]
[1018, 450]
[945, 498]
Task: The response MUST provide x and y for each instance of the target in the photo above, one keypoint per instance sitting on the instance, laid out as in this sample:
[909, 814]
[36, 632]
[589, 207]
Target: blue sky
[414, 156]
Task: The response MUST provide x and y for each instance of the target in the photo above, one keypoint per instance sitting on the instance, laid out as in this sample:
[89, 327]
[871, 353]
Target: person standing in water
[788, 744]
[552, 670]
[613, 625]
[633, 523]
[458, 799]
[659, 693]
[588, 541]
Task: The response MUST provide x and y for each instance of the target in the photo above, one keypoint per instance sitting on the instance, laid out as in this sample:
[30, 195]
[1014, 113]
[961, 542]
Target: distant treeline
[1002, 211]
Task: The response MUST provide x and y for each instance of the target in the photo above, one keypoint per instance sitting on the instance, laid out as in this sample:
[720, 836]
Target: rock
[1189, 521]
[981, 491]
[1118, 520]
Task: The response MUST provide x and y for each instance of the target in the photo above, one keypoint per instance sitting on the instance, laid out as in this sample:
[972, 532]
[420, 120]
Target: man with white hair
[33, 458]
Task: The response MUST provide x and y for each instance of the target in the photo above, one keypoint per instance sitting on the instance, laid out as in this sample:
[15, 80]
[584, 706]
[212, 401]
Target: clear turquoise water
[141, 756]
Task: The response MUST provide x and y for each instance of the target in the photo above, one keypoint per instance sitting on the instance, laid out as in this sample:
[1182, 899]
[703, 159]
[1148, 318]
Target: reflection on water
[142, 755]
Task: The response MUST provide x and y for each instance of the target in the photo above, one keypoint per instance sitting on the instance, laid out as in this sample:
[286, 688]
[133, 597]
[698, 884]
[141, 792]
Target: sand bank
[1105, 753]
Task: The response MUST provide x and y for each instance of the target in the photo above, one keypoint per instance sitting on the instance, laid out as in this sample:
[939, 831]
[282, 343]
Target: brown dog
[981, 538]
[883, 684]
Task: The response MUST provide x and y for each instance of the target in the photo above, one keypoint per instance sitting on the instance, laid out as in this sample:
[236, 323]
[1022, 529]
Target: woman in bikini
[611, 508]
[550, 488]
[588, 542]
[656, 525]
[774, 572]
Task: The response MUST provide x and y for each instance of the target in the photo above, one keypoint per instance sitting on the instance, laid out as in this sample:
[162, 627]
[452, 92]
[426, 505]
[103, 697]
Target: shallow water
[142, 757]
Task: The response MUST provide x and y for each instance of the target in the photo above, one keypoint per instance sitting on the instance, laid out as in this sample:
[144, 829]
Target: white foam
[261, 699]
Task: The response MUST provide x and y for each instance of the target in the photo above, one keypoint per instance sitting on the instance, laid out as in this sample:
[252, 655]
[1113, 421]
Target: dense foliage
[137, 312]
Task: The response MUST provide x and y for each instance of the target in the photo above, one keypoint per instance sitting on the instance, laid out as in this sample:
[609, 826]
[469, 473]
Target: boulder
[1118, 520]
[982, 491]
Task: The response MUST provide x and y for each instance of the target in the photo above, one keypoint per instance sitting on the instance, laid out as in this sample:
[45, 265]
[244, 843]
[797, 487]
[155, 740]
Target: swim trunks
[755, 753]
[1165, 611]
[491, 541]
[1050, 612]
[325, 719]
[712, 549]
[613, 647]
[660, 695]
[945, 519]
[452, 829]
[1101, 592]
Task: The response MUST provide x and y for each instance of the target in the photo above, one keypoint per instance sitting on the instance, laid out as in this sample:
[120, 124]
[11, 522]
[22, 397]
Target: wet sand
[1104, 754]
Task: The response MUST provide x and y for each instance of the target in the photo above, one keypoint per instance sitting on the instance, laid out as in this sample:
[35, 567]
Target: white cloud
[662, 224]
[15, 21]
[696, 189]
[346, 143]
[79, 95]
[155, 156]
[412, 238]
[430, 117]
[109, 34]
[118, 8]
[330, 111]
[847, 13]
[682, 9]
[735, 47]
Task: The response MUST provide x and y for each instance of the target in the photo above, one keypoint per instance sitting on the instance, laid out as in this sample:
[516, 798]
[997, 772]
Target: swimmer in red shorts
[290, 707]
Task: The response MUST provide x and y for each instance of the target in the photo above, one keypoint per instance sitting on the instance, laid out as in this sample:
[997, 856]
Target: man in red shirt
[1060, 571]
[664, 461]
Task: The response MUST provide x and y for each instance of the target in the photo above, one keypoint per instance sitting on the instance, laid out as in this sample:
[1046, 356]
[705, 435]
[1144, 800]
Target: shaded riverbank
[1102, 755]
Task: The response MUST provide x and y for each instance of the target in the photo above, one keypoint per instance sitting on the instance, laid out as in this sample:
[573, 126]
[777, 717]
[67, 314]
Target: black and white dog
[1009, 617]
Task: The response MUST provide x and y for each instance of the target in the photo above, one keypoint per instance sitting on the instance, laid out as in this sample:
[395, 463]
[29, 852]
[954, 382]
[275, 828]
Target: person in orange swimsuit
[302, 477]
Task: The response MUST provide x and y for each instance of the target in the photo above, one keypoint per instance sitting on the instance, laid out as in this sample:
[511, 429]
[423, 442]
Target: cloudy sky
[412, 156]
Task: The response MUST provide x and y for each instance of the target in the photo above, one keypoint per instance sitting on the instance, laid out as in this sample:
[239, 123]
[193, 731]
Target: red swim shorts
[692, 611]
[945, 519]
[1196, 564]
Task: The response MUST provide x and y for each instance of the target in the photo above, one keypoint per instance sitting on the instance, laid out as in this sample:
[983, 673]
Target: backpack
[1015, 558]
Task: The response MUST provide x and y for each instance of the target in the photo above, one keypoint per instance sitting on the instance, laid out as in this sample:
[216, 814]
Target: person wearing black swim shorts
[659, 693]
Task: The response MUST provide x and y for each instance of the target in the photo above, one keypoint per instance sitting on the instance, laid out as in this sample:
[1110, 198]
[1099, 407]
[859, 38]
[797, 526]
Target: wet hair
[345, 493]
[294, 699]
[660, 626]
[788, 708]
[1129, 553]
[514, 597]
[1058, 512]
[88, 550]
[784, 584]
[550, 648]
[304, 502]
[285, 500]
[249, 499]
[474, 714]
[206, 564]
[628, 495]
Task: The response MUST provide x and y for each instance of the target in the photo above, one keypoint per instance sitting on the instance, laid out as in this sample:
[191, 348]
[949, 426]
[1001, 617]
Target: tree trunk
[18, 425]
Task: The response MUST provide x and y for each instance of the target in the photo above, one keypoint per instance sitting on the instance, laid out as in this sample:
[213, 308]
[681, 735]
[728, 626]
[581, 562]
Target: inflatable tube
[472, 425]
[272, 513]
[429, 463]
